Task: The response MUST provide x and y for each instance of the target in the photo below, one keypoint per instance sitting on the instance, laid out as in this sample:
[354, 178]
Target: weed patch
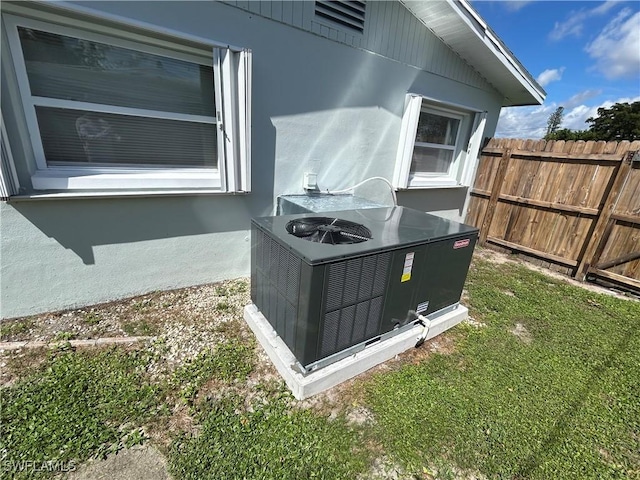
[77, 406]
[228, 361]
[64, 336]
[11, 328]
[270, 441]
[140, 327]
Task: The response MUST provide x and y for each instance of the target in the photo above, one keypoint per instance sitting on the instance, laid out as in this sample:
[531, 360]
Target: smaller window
[438, 144]
[436, 141]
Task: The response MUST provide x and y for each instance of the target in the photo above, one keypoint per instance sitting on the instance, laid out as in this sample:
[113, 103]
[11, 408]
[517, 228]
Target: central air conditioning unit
[332, 283]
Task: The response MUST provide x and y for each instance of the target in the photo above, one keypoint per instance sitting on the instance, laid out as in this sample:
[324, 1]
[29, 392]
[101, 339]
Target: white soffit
[465, 32]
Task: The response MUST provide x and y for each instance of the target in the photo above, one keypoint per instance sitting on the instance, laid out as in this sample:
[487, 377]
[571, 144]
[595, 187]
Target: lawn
[544, 383]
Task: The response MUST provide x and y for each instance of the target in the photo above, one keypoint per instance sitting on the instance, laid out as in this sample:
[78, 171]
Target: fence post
[604, 225]
[495, 194]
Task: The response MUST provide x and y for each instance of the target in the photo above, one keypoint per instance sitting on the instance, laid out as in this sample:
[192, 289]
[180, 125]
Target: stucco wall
[73, 252]
[318, 106]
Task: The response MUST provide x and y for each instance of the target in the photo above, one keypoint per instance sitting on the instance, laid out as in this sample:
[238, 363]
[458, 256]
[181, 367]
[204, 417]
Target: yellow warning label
[408, 266]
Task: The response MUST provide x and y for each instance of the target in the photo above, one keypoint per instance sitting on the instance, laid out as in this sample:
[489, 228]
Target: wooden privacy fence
[575, 204]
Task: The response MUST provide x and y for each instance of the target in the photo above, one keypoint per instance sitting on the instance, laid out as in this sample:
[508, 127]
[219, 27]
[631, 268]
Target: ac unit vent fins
[354, 301]
[347, 14]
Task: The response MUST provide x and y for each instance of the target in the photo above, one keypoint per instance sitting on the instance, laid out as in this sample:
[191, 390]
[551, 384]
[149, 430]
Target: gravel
[181, 323]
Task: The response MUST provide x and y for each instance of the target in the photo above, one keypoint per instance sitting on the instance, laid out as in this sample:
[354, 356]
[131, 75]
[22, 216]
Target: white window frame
[9, 183]
[466, 150]
[232, 74]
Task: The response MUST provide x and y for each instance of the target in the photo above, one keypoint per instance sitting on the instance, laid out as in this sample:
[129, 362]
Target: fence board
[574, 203]
[597, 238]
[493, 199]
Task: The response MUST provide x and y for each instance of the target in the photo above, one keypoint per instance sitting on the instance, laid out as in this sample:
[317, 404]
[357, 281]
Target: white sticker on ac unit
[422, 307]
[408, 266]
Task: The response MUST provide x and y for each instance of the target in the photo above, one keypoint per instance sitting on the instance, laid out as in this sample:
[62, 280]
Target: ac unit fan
[333, 231]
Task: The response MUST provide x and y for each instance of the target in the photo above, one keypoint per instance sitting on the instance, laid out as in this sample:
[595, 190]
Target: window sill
[431, 183]
[67, 179]
[117, 194]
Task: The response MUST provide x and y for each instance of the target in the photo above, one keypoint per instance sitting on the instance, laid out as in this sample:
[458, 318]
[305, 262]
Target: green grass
[562, 401]
[64, 336]
[140, 328]
[565, 405]
[227, 362]
[77, 406]
[270, 441]
[14, 327]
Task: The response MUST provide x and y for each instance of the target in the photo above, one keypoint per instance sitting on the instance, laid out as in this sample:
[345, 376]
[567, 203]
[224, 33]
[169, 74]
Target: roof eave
[459, 26]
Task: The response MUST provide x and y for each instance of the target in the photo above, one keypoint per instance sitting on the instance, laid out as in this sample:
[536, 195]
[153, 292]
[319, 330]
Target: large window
[438, 144]
[107, 113]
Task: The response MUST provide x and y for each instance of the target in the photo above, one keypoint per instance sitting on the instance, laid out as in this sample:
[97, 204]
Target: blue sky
[585, 55]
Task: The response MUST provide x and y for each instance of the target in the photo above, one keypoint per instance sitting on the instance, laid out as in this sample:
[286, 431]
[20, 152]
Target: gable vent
[348, 14]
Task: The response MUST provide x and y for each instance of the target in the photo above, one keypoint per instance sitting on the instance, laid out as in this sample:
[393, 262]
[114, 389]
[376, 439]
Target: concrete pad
[305, 386]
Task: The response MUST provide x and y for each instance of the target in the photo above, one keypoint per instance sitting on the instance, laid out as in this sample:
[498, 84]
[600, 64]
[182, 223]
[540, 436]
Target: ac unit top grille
[349, 14]
[332, 231]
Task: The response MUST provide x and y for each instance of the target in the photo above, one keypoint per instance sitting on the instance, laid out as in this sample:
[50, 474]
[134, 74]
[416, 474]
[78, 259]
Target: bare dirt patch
[137, 463]
[19, 363]
[384, 468]
[520, 331]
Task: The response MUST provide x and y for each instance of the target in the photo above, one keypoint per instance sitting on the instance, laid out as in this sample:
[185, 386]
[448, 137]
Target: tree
[567, 134]
[554, 122]
[620, 122]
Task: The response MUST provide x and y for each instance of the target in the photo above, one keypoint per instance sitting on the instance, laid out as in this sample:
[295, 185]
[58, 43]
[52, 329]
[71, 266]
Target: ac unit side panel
[275, 284]
[446, 267]
[259, 281]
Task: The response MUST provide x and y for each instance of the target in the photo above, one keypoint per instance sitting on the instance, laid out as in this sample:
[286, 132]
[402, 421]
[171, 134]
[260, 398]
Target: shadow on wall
[81, 224]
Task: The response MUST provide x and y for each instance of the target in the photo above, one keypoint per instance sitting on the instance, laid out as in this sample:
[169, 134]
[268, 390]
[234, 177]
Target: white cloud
[524, 122]
[574, 25]
[515, 5]
[605, 7]
[575, 118]
[550, 75]
[531, 122]
[581, 97]
[617, 48]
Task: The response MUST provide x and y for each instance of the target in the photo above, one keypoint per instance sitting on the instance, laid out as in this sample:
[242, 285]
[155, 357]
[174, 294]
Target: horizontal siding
[390, 30]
